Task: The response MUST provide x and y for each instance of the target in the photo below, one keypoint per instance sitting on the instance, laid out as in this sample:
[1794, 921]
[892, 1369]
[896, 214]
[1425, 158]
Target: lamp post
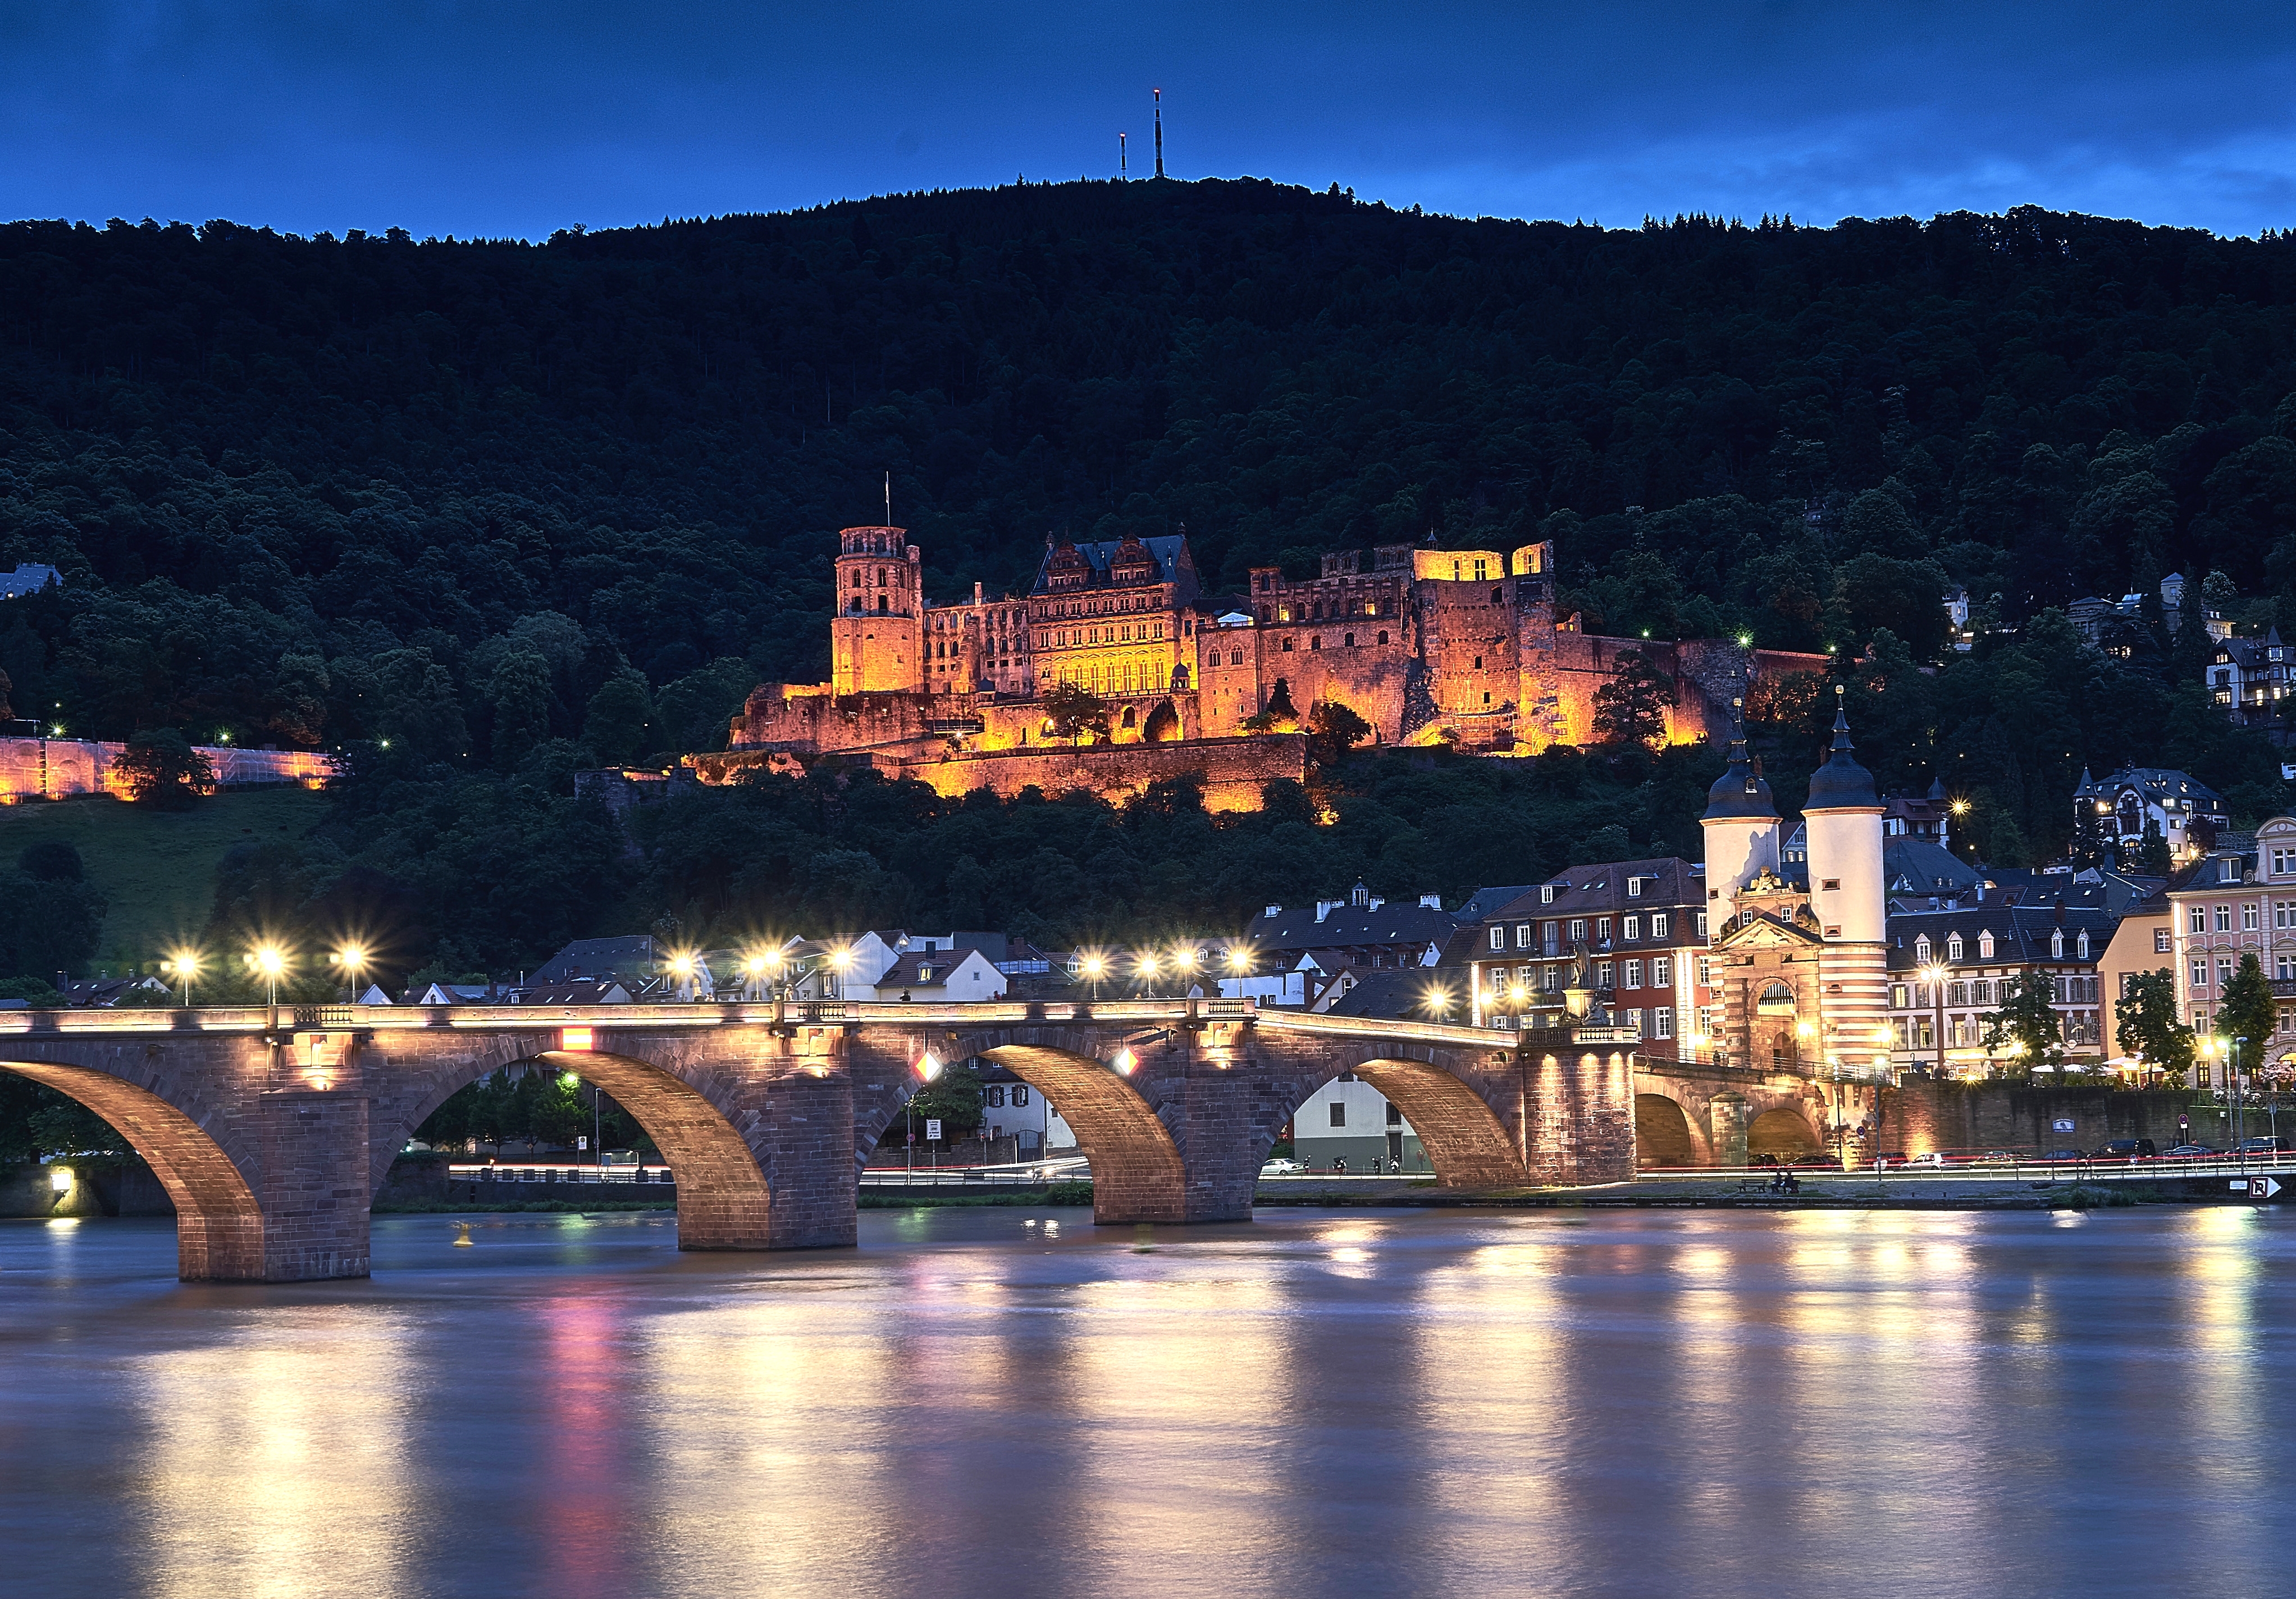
[1933, 975]
[351, 961]
[1148, 968]
[1094, 967]
[2232, 1080]
[928, 1068]
[573, 1079]
[183, 966]
[1183, 964]
[270, 960]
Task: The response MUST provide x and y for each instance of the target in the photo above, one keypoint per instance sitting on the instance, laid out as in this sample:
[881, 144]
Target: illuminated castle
[1427, 646]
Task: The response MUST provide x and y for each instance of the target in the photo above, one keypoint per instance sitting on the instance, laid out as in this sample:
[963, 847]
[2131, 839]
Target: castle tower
[877, 640]
[1741, 824]
[1849, 898]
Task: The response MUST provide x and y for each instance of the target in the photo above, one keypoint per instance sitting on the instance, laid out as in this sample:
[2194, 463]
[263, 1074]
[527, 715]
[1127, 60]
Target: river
[1014, 1402]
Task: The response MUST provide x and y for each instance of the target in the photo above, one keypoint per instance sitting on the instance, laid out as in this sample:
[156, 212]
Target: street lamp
[351, 961]
[1239, 959]
[573, 1079]
[183, 966]
[681, 966]
[1148, 968]
[270, 961]
[1184, 962]
[1094, 967]
[1933, 975]
[928, 1068]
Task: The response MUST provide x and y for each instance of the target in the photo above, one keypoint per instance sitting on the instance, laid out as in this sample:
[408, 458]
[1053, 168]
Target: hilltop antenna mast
[1159, 130]
[889, 497]
[1123, 160]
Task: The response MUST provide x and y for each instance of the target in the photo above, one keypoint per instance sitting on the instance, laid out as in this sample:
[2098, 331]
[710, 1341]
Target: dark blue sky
[504, 117]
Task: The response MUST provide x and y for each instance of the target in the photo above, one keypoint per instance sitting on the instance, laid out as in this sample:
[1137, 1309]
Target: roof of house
[1343, 926]
[1912, 865]
[631, 956]
[587, 990]
[1483, 902]
[1602, 885]
[910, 970]
[1167, 550]
[2020, 933]
[1392, 994]
[2153, 783]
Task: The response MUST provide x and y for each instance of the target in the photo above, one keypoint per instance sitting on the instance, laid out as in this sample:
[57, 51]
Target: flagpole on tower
[889, 497]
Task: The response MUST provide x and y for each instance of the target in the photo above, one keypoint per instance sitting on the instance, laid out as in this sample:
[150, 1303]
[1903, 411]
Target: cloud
[494, 118]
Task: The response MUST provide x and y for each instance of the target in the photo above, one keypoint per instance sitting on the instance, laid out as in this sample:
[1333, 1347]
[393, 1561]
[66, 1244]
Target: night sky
[501, 117]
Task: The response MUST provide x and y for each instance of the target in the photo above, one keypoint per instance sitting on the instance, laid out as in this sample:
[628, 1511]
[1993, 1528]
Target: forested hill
[476, 496]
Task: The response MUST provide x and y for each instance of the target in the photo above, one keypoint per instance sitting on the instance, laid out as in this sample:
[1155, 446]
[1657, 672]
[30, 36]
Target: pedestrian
[1338, 1166]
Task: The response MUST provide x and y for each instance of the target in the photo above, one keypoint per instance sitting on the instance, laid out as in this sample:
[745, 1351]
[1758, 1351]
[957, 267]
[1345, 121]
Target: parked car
[2064, 1154]
[2126, 1149]
[1994, 1157]
[1281, 1166]
[2193, 1151]
[1934, 1157]
[2263, 1146]
[1820, 1162]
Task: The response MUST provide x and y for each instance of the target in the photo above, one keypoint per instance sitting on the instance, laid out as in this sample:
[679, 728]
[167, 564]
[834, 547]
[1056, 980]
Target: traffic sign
[2260, 1188]
[932, 1130]
[2063, 1124]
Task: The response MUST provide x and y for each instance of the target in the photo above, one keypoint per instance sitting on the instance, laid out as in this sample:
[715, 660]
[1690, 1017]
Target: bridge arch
[1783, 1132]
[722, 1199]
[1662, 1133]
[1137, 1174]
[218, 1222]
[1465, 1142]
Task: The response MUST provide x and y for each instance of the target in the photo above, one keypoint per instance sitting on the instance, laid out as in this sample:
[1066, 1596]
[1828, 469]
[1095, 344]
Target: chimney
[1433, 902]
[1376, 902]
[976, 595]
[1323, 908]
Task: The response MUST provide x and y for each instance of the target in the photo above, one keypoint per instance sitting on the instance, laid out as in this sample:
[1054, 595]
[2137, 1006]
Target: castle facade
[1427, 646]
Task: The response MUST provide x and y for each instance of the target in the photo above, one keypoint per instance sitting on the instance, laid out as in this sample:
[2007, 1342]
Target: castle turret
[1850, 898]
[1741, 824]
[1844, 818]
[877, 641]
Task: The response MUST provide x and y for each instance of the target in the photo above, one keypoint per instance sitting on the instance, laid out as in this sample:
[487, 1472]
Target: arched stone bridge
[273, 1131]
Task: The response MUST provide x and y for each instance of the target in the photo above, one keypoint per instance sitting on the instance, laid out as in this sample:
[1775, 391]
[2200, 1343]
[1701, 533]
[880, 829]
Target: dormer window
[1634, 890]
[1546, 893]
[1922, 949]
[1985, 945]
[1953, 948]
[2228, 869]
[2057, 945]
[2080, 944]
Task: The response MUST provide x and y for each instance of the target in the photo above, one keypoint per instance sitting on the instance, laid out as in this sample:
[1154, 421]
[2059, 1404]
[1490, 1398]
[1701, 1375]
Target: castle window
[1495, 596]
[1316, 642]
[1287, 645]
[1348, 641]
[882, 606]
[1383, 637]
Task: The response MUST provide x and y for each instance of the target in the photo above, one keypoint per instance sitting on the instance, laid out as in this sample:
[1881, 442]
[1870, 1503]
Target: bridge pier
[313, 1192]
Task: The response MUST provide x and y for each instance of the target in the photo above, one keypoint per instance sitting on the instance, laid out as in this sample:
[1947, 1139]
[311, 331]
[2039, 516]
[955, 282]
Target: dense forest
[482, 512]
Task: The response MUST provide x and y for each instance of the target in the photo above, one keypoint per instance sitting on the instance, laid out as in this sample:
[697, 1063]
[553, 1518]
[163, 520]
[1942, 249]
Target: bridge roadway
[274, 1128]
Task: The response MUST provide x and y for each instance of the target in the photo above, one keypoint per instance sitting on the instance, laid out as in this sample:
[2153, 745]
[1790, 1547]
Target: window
[1701, 925]
[1634, 977]
[2196, 920]
[1657, 924]
[1631, 928]
[1603, 973]
[2284, 967]
[1339, 1112]
[1394, 1114]
[1985, 945]
[2080, 944]
[2057, 945]
[1634, 891]
[1579, 930]
[2283, 861]
[1550, 940]
[1956, 994]
[1550, 979]
[2160, 941]
[1522, 935]
[1900, 997]
[1980, 992]
[1922, 949]
[2224, 918]
[1634, 1019]
[1020, 1095]
[1829, 884]
[1662, 1021]
[2224, 969]
[2228, 869]
[1499, 937]
[1602, 929]
[995, 1097]
[1662, 973]
[1953, 948]
[2248, 918]
[1546, 893]
[2200, 972]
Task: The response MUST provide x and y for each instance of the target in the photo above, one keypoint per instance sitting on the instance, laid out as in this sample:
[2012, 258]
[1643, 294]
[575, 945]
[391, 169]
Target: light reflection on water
[976, 1402]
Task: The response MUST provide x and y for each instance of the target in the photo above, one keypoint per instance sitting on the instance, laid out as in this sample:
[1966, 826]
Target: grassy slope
[158, 867]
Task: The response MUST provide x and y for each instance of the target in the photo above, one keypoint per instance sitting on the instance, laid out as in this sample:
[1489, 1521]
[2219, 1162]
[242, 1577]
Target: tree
[1279, 715]
[2148, 1025]
[1631, 708]
[160, 768]
[952, 1099]
[2247, 1012]
[616, 723]
[1332, 730]
[2152, 858]
[2026, 1026]
[1073, 709]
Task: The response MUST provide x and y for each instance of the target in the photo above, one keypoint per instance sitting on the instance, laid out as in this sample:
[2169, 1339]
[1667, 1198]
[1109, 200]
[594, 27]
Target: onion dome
[1842, 783]
[1741, 794]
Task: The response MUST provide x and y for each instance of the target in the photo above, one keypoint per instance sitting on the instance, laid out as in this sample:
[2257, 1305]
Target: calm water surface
[1006, 1402]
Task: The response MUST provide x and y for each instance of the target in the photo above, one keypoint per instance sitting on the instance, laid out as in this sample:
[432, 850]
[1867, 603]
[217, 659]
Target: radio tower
[1123, 162]
[1160, 131]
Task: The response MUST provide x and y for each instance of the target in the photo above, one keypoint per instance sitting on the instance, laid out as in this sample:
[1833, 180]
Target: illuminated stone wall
[55, 768]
